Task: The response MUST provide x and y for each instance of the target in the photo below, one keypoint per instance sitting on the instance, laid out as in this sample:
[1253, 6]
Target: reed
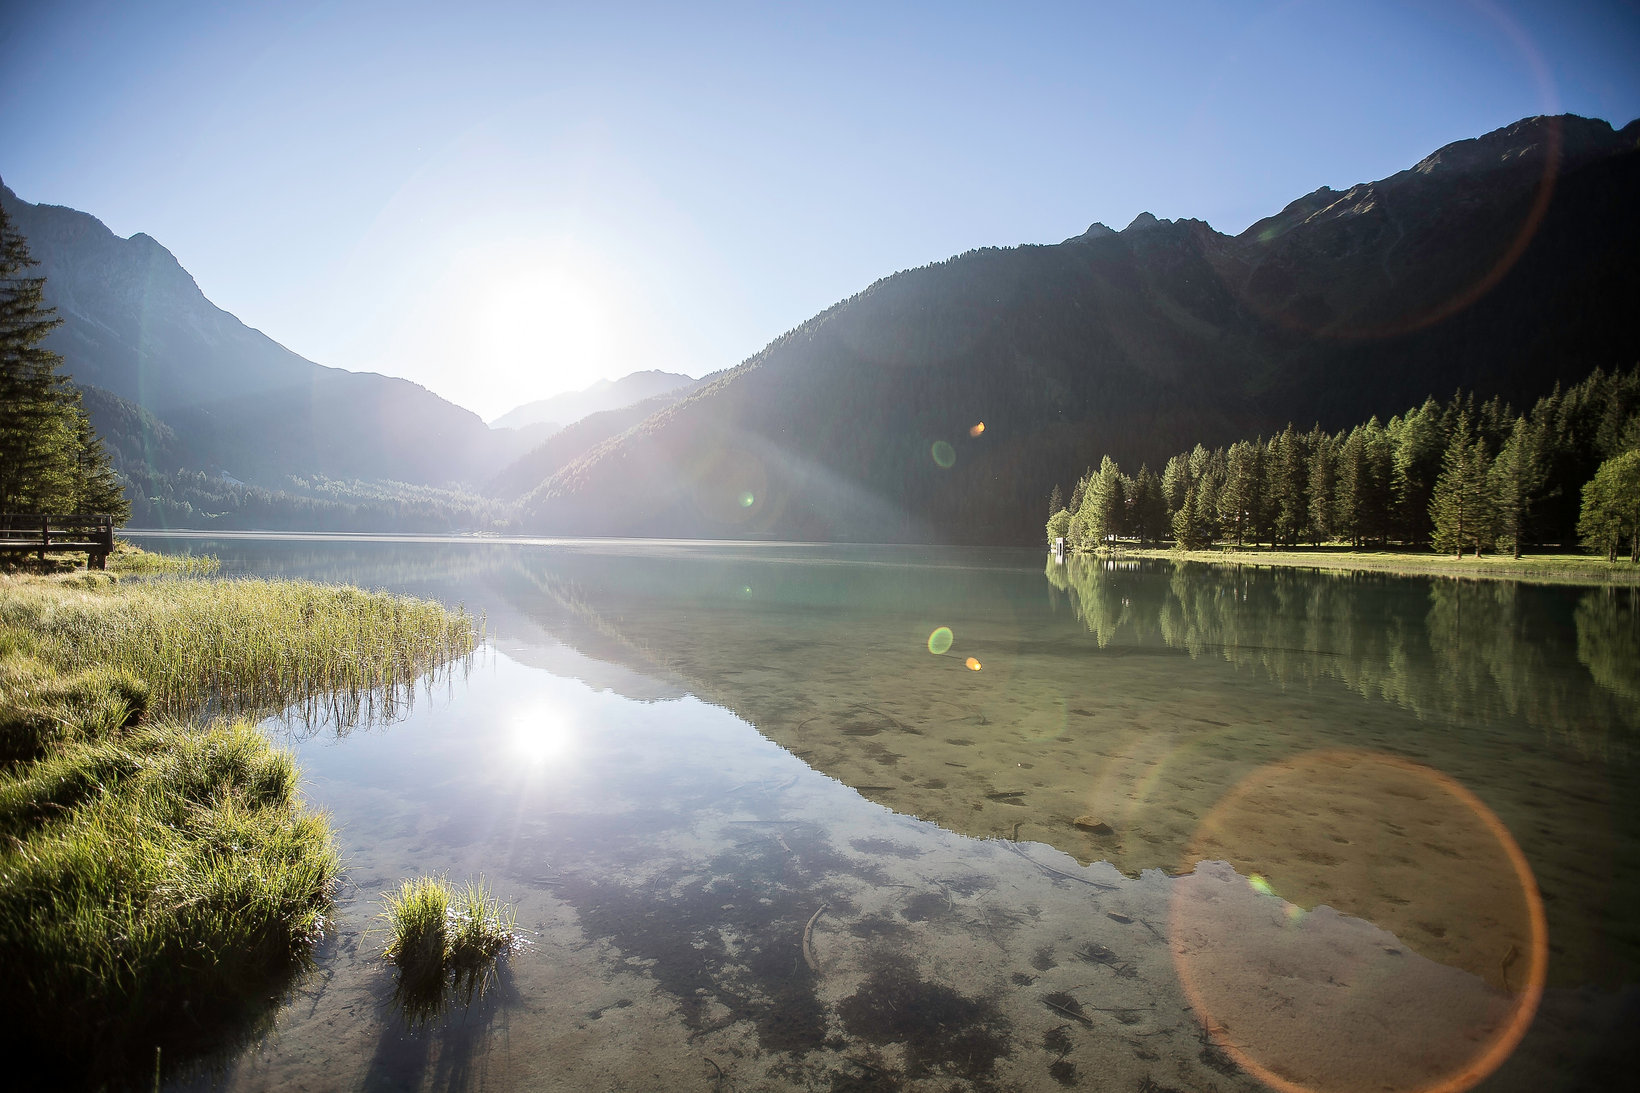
[240, 646]
[444, 941]
[160, 880]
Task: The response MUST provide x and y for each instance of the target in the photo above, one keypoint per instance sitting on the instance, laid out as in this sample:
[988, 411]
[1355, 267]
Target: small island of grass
[444, 939]
[160, 879]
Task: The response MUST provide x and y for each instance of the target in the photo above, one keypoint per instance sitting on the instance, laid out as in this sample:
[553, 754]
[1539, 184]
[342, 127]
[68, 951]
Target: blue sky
[505, 201]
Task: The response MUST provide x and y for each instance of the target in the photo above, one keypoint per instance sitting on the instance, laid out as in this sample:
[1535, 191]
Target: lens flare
[940, 640]
[973, 665]
[747, 500]
[944, 454]
[979, 427]
[1348, 920]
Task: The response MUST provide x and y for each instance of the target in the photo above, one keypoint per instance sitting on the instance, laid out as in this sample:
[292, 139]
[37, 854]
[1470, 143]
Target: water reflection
[674, 760]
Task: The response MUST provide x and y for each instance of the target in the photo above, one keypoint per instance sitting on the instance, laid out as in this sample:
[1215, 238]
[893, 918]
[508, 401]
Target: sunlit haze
[503, 202]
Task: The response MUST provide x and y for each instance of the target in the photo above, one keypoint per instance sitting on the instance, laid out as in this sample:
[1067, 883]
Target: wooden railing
[31, 533]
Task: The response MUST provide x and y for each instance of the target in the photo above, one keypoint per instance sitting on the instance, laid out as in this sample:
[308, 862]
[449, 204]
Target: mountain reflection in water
[1391, 770]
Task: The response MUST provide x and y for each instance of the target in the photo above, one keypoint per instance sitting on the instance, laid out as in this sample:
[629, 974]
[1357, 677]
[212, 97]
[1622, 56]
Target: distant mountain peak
[1144, 222]
[571, 406]
[1096, 230]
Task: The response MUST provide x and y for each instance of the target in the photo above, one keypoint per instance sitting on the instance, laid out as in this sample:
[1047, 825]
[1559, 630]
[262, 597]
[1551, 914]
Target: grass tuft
[445, 941]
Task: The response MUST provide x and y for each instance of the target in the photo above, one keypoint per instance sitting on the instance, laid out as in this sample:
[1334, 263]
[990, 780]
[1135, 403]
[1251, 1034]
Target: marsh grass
[241, 646]
[131, 559]
[160, 881]
[445, 942]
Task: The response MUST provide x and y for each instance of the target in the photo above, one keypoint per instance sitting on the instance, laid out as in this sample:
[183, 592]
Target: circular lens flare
[940, 641]
[944, 454]
[1348, 920]
[973, 665]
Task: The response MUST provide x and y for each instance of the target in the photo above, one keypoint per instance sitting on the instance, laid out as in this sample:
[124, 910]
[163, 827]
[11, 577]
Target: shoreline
[1570, 569]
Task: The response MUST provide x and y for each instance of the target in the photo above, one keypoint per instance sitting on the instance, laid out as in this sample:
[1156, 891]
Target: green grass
[128, 558]
[444, 941]
[238, 646]
[160, 879]
[1540, 568]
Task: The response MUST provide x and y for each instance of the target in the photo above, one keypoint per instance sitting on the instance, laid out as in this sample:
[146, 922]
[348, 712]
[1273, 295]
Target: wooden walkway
[31, 533]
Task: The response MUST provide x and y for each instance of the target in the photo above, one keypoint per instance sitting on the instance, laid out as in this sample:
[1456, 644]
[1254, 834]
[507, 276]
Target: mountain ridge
[1139, 343]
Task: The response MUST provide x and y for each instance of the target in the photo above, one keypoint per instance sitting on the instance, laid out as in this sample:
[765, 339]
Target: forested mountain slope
[137, 326]
[1500, 264]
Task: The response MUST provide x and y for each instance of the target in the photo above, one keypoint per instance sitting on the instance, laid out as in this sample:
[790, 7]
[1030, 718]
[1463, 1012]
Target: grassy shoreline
[160, 878]
[1537, 568]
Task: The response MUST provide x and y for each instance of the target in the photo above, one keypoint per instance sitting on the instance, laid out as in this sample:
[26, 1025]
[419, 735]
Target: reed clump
[128, 558]
[160, 879]
[240, 646]
[444, 940]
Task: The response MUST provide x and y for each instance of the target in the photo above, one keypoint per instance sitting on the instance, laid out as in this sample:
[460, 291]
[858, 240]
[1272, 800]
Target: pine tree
[1149, 507]
[50, 458]
[1238, 498]
[1103, 504]
[1288, 471]
[1418, 444]
[1461, 509]
[1188, 531]
[1323, 486]
[1516, 478]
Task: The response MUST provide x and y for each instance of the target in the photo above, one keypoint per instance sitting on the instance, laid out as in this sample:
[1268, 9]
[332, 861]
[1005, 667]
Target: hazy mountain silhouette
[1501, 264]
[571, 406]
[137, 326]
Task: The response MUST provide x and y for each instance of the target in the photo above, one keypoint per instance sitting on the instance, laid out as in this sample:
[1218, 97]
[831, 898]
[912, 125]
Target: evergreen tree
[1516, 478]
[50, 458]
[1175, 481]
[1056, 500]
[1323, 486]
[1611, 507]
[1419, 443]
[1188, 530]
[1238, 497]
[1288, 470]
[1149, 507]
[1103, 504]
[1461, 510]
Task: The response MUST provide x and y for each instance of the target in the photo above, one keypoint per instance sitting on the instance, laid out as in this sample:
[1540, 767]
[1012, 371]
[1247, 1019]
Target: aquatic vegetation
[241, 646]
[160, 880]
[132, 559]
[440, 936]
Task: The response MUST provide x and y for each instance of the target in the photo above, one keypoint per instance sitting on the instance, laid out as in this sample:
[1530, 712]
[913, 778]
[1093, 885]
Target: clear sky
[504, 201]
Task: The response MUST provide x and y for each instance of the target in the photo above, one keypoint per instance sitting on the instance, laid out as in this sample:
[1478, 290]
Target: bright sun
[544, 330]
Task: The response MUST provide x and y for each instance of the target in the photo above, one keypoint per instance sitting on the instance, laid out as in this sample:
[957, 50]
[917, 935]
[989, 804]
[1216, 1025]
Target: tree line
[51, 459]
[1455, 477]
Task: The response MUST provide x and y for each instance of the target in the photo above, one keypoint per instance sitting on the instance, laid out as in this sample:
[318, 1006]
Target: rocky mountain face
[231, 399]
[944, 403]
[571, 406]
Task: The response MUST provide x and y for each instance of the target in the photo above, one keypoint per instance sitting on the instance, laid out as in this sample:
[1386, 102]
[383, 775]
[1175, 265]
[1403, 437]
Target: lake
[823, 817]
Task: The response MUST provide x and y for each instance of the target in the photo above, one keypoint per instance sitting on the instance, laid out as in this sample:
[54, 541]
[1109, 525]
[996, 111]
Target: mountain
[136, 326]
[944, 403]
[572, 406]
[570, 443]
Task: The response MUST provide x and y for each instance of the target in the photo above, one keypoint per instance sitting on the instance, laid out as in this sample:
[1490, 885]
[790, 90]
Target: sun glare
[544, 328]
[541, 738]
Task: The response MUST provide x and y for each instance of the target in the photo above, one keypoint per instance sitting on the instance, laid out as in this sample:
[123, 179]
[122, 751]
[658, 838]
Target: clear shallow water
[1180, 829]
